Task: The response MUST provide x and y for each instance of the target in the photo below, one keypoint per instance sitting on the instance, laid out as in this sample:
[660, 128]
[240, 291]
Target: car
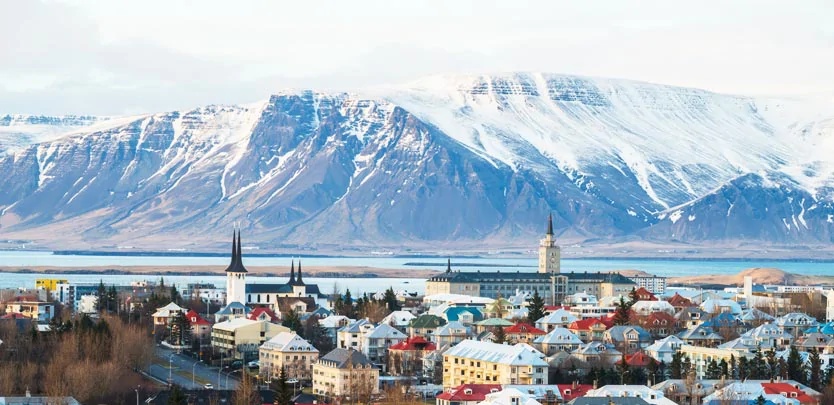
[208, 386]
[254, 364]
[292, 381]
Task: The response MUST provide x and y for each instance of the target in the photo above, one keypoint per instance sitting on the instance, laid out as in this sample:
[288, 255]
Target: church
[242, 296]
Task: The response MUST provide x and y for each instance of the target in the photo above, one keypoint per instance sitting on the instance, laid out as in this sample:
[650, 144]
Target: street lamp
[137, 393]
[192, 373]
[227, 377]
[171, 369]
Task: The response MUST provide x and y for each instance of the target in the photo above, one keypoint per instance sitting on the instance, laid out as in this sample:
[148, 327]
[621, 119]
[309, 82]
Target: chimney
[595, 384]
[574, 385]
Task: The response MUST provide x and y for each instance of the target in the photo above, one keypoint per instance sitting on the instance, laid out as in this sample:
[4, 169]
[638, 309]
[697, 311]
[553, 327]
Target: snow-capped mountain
[475, 159]
[20, 130]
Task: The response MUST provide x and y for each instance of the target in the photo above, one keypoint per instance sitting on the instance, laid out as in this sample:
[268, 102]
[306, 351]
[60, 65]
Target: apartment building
[241, 338]
[344, 373]
[289, 352]
[474, 362]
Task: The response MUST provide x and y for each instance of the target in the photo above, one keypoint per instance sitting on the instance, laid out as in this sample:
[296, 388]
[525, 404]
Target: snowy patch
[632, 213]
[691, 218]
[675, 216]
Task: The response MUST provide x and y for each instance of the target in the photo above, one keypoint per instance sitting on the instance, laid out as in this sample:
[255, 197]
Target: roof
[638, 359]
[518, 354]
[454, 313]
[666, 344]
[469, 392]
[509, 396]
[236, 265]
[167, 310]
[780, 387]
[344, 357]
[699, 332]
[195, 319]
[525, 329]
[678, 300]
[451, 329]
[570, 392]
[227, 310]
[384, 331]
[398, 318]
[643, 292]
[427, 321]
[559, 336]
[288, 342]
[233, 324]
[414, 343]
[618, 333]
[557, 317]
[609, 401]
[262, 310]
[585, 324]
[494, 322]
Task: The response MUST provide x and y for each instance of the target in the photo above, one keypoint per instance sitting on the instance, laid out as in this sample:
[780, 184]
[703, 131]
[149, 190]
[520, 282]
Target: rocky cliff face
[435, 164]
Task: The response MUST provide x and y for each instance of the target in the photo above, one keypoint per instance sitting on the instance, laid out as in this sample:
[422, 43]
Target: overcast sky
[109, 57]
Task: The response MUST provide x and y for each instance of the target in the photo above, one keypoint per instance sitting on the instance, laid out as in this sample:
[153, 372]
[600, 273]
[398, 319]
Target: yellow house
[290, 352]
[474, 362]
[49, 284]
[702, 356]
[241, 338]
[345, 374]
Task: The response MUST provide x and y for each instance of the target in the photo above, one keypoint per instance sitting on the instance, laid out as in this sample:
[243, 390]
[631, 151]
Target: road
[182, 368]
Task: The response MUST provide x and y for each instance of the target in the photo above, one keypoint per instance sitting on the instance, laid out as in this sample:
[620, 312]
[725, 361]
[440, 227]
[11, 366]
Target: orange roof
[779, 388]
[585, 324]
[678, 300]
[637, 360]
[660, 317]
[644, 295]
[525, 329]
[414, 343]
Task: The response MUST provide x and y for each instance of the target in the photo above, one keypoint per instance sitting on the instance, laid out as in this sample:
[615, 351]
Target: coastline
[196, 270]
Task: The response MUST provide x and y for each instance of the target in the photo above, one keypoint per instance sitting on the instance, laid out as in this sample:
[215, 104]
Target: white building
[654, 284]
[399, 319]
[509, 396]
[643, 392]
[559, 317]
[645, 308]
[558, 339]
[664, 349]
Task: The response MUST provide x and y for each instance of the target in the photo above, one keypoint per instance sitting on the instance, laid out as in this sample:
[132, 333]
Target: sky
[114, 58]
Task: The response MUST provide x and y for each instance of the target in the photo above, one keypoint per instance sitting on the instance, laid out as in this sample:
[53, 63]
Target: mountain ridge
[481, 159]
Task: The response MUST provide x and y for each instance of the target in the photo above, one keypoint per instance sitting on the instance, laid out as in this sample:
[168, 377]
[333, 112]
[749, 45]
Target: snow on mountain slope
[454, 159]
[17, 131]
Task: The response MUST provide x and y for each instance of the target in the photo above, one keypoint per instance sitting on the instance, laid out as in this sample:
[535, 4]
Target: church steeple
[236, 265]
[298, 281]
[449, 265]
[292, 273]
[550, 225]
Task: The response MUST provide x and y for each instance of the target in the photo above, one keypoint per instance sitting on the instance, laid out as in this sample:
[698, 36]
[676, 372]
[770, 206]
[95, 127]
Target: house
[688, 391]
[200, 328]
[466, 394]
[289, 352]
[768, 337]
[333, 323]
[755, 317]
[700, 336]
[509, 396]
[596, 354]
[263, 314]
[642, 294]
[690, 317]
[588, 330]
[558, 339]
[376, 341]
[581, 299]
[609, 401]
[163, 315]
[499, 308]
[351, 336]
[715, 306]
[464, 315]
[39, 311]
[794, 323]
[523, 333]
[232, 310]
[489, 324]
[569, 392]
[659, 324]
[679, 302]
[241, 338]
[557, 318]
[627, 338]
[35, 400]
[474, 362]
[450, 334]
[726, 323]
[406, 357]
[639, 359]
[804, 395]
[643, 392]
[746, 392]
[701, 357]
[345, 372]
[399, 320]
[664, 349]
[424, 325]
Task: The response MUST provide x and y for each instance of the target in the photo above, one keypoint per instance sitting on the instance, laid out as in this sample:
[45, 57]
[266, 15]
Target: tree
[772, 364]
[175, 295]
[101, 294]
[733, 375]
[391, 301]
[796, 370]
[632, 296]
[724, 368]
[676, 366]
[713, 370]
[621, 316]
[743, 369]
[347, 305]
[816, 369]
[624, 371]
[176, 396]
[535, 310]
[499, 336]
[317, 335]
[283, 392]
[292, 321]
[760, 401]
[247, 391]
[180, 330]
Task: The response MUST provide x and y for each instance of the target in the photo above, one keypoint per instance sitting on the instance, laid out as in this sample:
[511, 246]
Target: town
[474, 338]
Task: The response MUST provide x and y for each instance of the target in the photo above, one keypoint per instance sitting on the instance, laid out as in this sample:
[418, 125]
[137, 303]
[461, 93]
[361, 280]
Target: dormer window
[467, 391]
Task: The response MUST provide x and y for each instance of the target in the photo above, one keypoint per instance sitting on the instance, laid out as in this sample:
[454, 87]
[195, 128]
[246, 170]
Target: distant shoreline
[254, 254]
[254, 271]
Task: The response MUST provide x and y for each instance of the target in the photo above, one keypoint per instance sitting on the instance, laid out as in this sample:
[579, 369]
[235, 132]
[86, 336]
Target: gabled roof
[398, 318]
[656, 319]
[414, 343]
[559, 336]
[523, 328]
[454, 313]
[678, 300]
[557, 317]
[450, 329]
[780, 387]
[195, 319]
[227, 310]
[570, 392]
[493, 322]
[469, 392]
[618, 333]
[644, 295]
[597, 348]
[427, 321]
[666, 344]
[700, 332]
[383, 331]
[256, 313]
[585, 324]
[518, 354]
[345, 357]
[638, 359]
[288, 342]
[168, 311]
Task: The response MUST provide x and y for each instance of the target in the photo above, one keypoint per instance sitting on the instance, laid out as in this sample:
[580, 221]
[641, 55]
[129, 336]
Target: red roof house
[679, 302]
[263, 314]
[414, 343]
[638, 359]
[643, 294]
[588, 329]
[789, 391]
[195, 319]
[523, 332]
[572, 391]
[470, 394]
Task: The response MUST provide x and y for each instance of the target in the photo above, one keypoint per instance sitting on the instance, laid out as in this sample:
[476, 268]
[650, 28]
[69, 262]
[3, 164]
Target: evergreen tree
[758, 366]
[391, 300]
[499, 336]
[760, 401]
[283, 391]
[733, 375]
[796, 370]
[632, 296]
[743, 369]
[676, 366]
[624, 372]
[713, 370]
[724, 369]
[535, 310]
[175, 295]
[687, 366]
[347, 305]
[652, 370]
[816, 370]
[621, 316]
[772, 364]
[317, 335]
[783, 368]
[176, 396]
[180, 330]
[292, 321]
[101, 294]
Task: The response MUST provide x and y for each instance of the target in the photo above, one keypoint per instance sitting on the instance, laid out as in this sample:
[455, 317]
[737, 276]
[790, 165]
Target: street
[182, 368]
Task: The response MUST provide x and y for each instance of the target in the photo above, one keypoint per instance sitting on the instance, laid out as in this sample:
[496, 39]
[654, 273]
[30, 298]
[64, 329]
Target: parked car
[209, 386]
[254, 364]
